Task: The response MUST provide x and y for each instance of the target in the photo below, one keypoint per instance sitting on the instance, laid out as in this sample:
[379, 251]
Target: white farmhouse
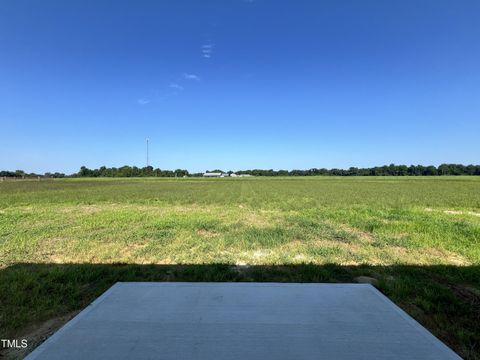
[212, 174]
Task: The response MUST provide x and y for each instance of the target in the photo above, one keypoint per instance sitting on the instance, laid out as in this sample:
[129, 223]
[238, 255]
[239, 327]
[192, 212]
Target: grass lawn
[64, 242]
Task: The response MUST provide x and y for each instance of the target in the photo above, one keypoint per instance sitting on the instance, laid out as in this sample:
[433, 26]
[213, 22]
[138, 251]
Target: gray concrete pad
[242, 321]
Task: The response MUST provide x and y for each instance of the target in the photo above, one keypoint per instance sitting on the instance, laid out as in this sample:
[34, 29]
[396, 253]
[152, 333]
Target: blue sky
[237, 84]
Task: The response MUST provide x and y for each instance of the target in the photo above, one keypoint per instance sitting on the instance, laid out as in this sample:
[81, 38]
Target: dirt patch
[260, 254]
[398, 251]
[351, 247]
[473, 213]
[128, 251]
[35, 335]
[257, 220]
[450, 257]
[362, 235]
[207, 233]
[453, 212]
[295, 243]
[300, 257]
[456, 212]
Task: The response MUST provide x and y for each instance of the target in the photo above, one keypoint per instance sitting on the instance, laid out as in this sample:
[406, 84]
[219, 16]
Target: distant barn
[212, 174]
[219, 174]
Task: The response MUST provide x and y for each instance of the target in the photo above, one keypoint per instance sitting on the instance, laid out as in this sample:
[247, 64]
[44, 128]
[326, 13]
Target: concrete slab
[242, 321]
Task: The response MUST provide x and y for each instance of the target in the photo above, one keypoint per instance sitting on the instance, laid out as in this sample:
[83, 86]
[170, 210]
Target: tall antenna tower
[148, 162]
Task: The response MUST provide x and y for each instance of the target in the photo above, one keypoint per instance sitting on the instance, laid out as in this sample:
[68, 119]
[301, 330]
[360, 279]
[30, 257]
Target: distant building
[212, 174]
[219, 174]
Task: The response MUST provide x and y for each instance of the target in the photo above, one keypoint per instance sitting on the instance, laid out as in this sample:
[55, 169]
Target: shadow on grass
[445, 299]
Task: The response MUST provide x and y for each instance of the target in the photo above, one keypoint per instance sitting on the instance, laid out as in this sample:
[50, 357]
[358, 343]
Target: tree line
[149, 171]
[24, 175]
[130, 171]
[386, 170]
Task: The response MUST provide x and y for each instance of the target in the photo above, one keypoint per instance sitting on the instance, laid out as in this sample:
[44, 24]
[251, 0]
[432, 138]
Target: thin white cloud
[143, 101]
[169, 90]
[207, 50]
[191, 77]
[176, 87]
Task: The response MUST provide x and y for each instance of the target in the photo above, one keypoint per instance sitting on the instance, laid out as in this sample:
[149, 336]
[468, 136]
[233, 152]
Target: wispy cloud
[191, 77]
[167, 91]
[207, 50]
[143, 101]
[176, 87]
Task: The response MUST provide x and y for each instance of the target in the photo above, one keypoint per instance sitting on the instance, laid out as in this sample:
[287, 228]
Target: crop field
[64, 242]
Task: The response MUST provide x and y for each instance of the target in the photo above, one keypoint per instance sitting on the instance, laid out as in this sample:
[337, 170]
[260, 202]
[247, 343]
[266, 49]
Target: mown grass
[63, 242]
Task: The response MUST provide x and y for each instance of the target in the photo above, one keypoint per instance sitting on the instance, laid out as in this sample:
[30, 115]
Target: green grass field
[64, 242]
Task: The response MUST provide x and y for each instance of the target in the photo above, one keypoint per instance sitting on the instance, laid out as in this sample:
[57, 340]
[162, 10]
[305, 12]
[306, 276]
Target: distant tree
[430, 171]
[84, 172]
[181, 173]
[147, 171]
[215, 171]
